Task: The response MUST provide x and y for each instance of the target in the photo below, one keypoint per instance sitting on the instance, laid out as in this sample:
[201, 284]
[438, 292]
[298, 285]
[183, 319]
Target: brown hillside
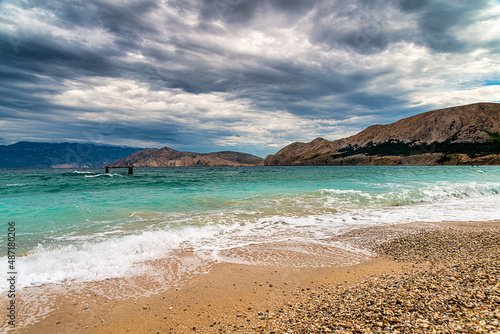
[167, 157]
[464, 124]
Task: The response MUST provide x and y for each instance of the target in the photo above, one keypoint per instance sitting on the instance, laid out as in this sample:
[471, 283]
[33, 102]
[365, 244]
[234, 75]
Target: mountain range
[453, 136]
[458, 135]
[60, 155]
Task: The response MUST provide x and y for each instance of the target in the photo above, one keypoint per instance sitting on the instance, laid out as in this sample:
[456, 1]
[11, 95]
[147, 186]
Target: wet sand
[380, 294]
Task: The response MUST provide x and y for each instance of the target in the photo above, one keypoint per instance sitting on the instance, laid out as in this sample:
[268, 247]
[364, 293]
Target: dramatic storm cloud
[248, 75]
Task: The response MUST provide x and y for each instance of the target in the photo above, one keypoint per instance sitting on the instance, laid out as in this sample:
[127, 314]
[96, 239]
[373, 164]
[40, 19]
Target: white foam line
[102, 175]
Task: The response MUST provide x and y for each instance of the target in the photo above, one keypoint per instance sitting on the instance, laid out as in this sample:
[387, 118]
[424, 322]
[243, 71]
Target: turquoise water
[74, 224]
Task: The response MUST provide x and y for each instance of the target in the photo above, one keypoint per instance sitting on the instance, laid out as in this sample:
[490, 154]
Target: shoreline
[249, 298]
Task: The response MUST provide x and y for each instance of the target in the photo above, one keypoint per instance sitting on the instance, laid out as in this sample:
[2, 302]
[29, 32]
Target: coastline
[243, 298]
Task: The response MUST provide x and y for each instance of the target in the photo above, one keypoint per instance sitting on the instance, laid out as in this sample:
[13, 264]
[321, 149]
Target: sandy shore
[443, 277]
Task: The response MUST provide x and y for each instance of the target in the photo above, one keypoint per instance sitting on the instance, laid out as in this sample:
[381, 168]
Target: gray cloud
[212, 73]
[368, 27]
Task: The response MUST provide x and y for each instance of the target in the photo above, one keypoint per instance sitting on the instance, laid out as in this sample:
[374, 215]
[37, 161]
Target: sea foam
[224, 227]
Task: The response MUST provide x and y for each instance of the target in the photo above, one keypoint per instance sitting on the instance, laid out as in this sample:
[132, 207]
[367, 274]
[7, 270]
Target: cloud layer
[249, 75]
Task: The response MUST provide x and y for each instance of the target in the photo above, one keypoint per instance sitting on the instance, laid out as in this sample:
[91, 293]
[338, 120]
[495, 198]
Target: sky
[241, 75]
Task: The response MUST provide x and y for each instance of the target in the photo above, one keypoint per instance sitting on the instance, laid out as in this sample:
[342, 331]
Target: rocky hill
[458, 135]
[167, 157]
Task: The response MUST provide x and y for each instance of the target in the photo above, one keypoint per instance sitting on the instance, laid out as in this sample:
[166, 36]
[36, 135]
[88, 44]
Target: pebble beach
[421, 278]
[450, 284]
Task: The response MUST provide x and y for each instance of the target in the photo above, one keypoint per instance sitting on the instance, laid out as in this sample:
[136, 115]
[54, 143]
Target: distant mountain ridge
[60, 155]
[167, 157]
[456, 135]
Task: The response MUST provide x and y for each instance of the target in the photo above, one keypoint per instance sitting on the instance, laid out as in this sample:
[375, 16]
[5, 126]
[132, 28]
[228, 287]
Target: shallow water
[84, 225]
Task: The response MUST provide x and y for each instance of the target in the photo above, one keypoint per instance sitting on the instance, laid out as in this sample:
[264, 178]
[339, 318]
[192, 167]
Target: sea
[82, 225]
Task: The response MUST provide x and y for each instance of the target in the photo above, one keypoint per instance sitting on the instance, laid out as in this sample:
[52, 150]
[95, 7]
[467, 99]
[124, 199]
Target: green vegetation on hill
[495, 136]
[396, 147]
